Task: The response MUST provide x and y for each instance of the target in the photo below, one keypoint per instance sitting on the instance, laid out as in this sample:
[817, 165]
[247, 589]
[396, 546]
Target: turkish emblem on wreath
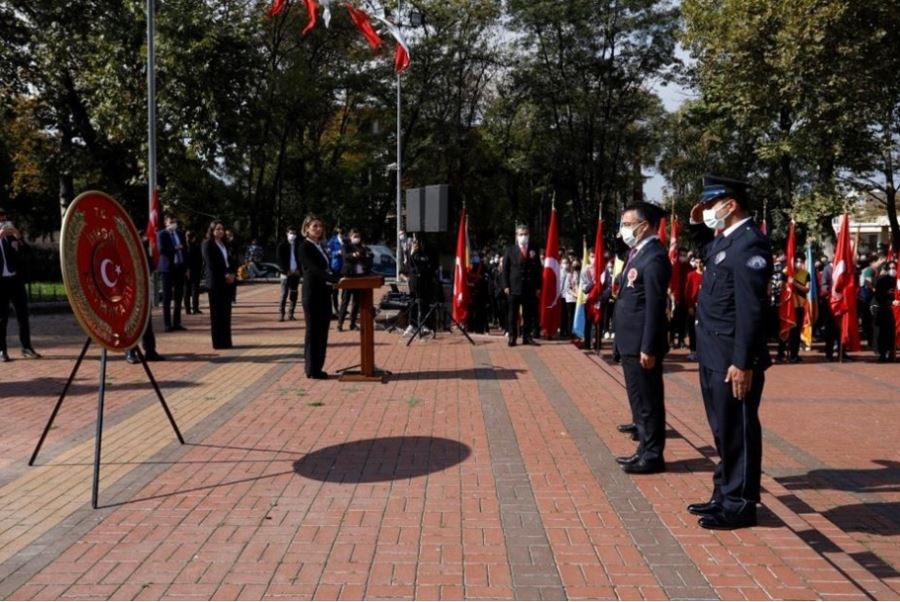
[105, 271]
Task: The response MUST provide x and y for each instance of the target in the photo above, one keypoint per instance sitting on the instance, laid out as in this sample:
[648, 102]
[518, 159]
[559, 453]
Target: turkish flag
[550, 306]
[594, 311]
[787, 317]
[362, 22]
[311, 8]
[277, 7]
[844, 288]
[662, 231]
[461, 295]
[153, 227]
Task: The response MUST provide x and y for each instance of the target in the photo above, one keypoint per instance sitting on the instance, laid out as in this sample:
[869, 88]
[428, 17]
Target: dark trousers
[220, 317]
[829, 327]
[568, 316]
[317, 312]
[346, 297]
[646, 396]
[883, 331]
[173, 290]
[738, 437]
[12, 290]
[527, 302]
[502, 304]
[677, 326]
[192, 293]
[690, 322]
[793, 342]
[289, 288]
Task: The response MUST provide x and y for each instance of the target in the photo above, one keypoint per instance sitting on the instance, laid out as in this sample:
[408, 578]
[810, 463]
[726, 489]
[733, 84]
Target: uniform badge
[720, 257]
[632, 276]
[757, 262]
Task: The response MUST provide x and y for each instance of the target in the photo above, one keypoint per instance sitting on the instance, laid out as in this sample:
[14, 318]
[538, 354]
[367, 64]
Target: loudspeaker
[436, 201]
[415, 210]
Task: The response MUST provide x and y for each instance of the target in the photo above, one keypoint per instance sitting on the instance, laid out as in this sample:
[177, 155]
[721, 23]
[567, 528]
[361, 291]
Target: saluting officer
[731, 349]
[641, 333]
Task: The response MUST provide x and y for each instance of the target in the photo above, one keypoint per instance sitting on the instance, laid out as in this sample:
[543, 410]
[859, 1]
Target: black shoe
[4, 356]
[627, 428]
[132, 358]
[30, 353]
[623, 460]
[511, 342]
[704, 508]
[281, 318]
[530, 341]
[795, 360]
[178, 327]
[292, 318]
[197, 311]
[354, 327]
[724, 520]
[153, 356]
[642, 466]
[318, 376]
[340, 327]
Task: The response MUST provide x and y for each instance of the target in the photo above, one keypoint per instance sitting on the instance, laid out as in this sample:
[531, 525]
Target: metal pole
[151, 102]
[399, 155]
[95, 490]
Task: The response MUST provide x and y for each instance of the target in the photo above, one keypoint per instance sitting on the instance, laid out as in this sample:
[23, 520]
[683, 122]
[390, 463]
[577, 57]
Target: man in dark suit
[289, 262]
[732, 350]
[12, 288]
[172, 266]
[194, 273]
[641, 333]
[521, 278]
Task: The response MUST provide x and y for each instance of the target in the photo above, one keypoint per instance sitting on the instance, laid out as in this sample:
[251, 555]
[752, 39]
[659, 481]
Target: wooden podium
[365, 285]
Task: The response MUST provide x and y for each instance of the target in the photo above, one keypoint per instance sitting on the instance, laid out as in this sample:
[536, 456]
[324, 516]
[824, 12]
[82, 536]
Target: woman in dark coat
[317, 282]
[220, 270]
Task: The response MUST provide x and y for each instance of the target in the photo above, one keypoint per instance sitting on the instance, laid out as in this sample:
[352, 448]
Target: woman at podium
[317, 282]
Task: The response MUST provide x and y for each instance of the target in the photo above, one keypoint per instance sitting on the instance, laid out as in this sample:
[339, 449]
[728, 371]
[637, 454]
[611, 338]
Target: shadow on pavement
[52, 387]
[384, 459]
[462, 374]
[858, 480]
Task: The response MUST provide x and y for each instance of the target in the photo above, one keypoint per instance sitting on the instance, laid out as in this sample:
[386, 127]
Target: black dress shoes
[4, 356]
[318, 376]
[530, 341]
[30, 353]
[725, 521]
[152, 356]
[511, 342]
[627, 428]
[623, 460]
[642, 466]
[132, 358]
[704, 508]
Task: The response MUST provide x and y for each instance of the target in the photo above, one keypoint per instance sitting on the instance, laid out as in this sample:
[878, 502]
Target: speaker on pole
[415, 210]
[436, 201]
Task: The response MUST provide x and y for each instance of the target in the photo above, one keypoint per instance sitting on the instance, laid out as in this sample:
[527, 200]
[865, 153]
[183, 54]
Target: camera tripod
[437, 310]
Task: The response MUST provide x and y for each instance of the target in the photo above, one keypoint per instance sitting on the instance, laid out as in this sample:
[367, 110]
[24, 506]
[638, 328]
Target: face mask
[565, 266]
[683, 259]
[173, 226]
[628, 236]
[355, 240]
[892, 273]
[523, 240]
[712, 222]
[292, 237]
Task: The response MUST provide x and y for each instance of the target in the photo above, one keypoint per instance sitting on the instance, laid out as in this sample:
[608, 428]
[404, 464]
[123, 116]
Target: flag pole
[151, 124]
[399, 149]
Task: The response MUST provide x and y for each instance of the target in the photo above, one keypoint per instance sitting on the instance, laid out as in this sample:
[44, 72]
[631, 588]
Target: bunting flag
[276, 8]
[153, 228]
[326, 12]
[364, 25]
[311, 8]
[787, 317]
[401, 48]
[594, 309]
[550, 306]
[663, 225]
[811, 303]
[578, 323]
[844, 289]
[461, 294]
[676, 281]
[763, 228]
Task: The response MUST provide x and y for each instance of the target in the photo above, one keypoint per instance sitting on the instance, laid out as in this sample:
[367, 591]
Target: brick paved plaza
[475, 472]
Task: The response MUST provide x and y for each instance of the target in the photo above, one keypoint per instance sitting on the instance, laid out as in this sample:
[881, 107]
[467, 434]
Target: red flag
[844, 288]
[676, 282]
[361, 20]
[401, 48]
[762, 227]
[550, 306]
[787, 317]
[461, 272]
[311, 8]
[594, 310]
[277, 7]
[153, 227]
[662, 231]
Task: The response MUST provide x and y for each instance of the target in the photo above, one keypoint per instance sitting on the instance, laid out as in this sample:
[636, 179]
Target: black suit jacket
[166, 243]
[316, 273]
[194, 258]
[731, 308]
[522, 275]
[12, 256]
[215, 266]
[355, 255]
[640, 318]
[284, 255]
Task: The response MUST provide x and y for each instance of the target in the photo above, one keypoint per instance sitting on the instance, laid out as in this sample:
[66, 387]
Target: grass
[46, 291]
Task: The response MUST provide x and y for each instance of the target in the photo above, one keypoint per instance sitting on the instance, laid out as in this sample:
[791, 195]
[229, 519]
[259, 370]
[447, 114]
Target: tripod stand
[442, 316]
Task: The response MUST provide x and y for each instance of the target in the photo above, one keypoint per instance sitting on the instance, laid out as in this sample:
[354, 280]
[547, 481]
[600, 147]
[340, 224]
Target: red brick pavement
[475, 472]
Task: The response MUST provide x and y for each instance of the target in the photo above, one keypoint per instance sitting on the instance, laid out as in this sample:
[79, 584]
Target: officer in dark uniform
[731, 349]
[521, 279]
[288, 254]
[641, 333]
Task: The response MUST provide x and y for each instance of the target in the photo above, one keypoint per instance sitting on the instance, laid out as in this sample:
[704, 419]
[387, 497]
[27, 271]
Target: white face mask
[565, 266]
[628, 236]
[291, 237]
[712, 222]
[523, 240]
[172, 226]
[355, 240]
